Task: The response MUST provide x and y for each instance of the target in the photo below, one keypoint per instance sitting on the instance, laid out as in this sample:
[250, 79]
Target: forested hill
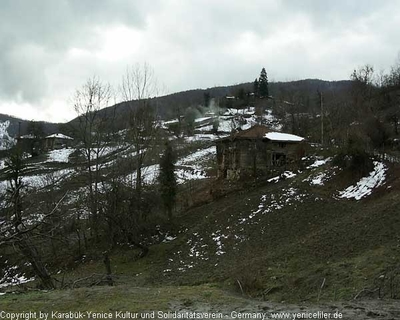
[168, 106]
[16, 124]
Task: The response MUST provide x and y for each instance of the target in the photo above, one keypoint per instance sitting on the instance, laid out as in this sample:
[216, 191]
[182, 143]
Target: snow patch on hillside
[217, 236]
[189, 168]
[149, 175]
[101, 152]
[6, 142]
[283, 176]
[206, 128]
[234, 119]
[318, 179]
[186, 174]
[193, 169]
[43, 180]
[11, 277]
[225, 125]
[271, 121]
[246, 111]
[3, 188]
[203, 137]
[365, 186]
[318, 163]
[273, 202]
[59, 155]
[197, 156]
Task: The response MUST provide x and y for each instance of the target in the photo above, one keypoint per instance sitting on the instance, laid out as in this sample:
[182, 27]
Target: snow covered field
[43, 180]
[59, 155]
[204, 137]
[197, 156]
[189, 168]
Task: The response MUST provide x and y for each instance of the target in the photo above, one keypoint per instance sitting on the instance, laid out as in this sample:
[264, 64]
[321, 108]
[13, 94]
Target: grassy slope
[290, 251]
[117, 298]
[284, 254]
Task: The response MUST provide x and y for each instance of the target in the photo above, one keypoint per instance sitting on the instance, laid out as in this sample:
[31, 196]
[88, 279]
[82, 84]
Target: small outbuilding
[30, 143]
[258, 151]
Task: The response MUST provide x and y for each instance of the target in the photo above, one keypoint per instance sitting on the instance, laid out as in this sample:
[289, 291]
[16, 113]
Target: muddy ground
[356, 310]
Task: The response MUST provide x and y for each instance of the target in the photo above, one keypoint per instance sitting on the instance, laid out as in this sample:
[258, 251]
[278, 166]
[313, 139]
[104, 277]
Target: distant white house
[58, 141]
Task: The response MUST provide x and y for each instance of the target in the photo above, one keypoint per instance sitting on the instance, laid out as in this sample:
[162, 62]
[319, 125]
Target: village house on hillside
[58, 141]
[257, 151]
[36, 145]
[29, 143]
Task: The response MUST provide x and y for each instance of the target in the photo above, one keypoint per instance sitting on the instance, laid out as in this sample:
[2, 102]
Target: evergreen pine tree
[207, 99]
[263, 83]
[255, 87]
[167, 179]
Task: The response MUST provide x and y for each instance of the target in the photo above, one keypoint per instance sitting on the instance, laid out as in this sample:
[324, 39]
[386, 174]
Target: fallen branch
[365, 290]
[240, 286]
[320, 289]
[83, 279]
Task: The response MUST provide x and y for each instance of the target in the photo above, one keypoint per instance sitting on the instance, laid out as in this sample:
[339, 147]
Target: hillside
[281, 239]
[313, 238]
[306, 238]
[12, 126]
[170, 105]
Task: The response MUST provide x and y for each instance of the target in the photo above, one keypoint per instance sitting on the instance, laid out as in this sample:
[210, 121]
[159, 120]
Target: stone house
[30, 143]
[37, 145]
[58, 141]
[258, 151]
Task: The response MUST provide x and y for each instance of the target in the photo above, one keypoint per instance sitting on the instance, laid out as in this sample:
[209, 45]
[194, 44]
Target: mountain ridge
[192, 97]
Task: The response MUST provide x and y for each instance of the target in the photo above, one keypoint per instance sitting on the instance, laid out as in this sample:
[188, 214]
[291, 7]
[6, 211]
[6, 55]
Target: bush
[249, 282]
[353, 159]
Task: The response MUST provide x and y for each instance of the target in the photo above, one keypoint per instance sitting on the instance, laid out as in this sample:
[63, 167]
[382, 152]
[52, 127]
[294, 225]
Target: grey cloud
[58, 24]
[191, 44]
[35, 34]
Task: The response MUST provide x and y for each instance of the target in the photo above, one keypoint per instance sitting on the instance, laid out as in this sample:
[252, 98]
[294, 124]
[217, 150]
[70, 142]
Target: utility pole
[322, 118]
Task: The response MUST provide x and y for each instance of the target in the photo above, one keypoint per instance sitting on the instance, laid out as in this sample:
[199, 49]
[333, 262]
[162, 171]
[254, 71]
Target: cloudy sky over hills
[50, 48]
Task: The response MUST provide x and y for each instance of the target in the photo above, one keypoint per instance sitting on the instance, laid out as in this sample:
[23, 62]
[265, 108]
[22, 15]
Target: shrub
[353, 156]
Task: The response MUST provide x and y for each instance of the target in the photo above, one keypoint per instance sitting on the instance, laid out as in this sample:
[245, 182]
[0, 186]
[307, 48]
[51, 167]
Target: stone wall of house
[243, 157]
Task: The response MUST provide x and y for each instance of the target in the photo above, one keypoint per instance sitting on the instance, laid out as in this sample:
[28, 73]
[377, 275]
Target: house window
[282, 144]
[278, 159]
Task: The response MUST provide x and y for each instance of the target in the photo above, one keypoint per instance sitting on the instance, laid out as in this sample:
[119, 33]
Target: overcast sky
[49, 48]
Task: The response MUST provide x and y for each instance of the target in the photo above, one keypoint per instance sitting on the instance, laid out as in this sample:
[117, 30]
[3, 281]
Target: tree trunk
[32, 255]
[145, 249]
[107, 265]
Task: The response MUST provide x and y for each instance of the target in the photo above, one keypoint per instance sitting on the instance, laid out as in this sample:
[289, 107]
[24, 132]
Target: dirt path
[186, 302]
[250, 309]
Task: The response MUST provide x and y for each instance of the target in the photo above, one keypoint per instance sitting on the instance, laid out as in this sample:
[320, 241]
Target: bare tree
[15, 230]
[363, 87]
[139, 83]
[138, 87]
[138, 90]
[94, 128]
